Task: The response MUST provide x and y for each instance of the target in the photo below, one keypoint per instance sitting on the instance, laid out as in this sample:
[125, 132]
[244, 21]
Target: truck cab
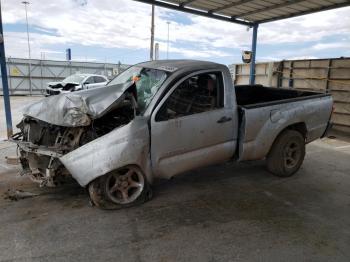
[195, 123]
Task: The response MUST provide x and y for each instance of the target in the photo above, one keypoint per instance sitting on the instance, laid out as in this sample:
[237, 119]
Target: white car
[76, 82]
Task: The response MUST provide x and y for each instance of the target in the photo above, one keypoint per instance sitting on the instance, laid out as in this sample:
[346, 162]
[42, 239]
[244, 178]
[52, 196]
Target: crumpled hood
[77, 108]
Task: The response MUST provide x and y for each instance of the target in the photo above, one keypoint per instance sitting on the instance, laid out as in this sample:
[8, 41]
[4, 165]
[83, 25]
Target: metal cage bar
[252, 63]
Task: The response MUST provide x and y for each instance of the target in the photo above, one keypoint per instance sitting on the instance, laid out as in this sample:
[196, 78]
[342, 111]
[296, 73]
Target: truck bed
[264, 112]
[251, 96]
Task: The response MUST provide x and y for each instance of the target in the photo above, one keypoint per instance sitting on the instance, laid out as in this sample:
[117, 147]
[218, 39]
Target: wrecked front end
[93, 135]
[70, 123]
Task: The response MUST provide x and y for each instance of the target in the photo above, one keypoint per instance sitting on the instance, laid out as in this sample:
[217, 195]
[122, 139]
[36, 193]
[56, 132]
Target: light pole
[25, 7]
[167, 48]
[152, 34]
[29, 56]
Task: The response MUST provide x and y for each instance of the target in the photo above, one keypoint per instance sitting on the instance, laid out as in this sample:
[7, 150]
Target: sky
[119, 30]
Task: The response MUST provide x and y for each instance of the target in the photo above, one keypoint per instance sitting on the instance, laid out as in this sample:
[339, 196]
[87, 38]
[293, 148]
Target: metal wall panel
[31, 76]
[322, 75]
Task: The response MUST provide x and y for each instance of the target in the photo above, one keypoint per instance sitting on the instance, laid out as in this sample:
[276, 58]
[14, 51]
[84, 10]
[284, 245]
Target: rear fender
[259, 147]
[260, 126]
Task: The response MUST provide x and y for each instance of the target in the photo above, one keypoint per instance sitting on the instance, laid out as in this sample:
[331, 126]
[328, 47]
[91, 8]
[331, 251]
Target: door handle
[224, 119]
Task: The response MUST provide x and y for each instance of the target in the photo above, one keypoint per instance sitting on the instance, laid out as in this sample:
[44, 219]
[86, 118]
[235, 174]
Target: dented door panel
[192, 141]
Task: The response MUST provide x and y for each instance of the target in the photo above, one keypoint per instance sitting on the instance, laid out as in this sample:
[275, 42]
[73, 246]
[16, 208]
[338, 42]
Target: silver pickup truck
[162, 118]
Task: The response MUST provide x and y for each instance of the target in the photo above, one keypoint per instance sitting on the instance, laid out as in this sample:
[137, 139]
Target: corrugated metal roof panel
[250, 11]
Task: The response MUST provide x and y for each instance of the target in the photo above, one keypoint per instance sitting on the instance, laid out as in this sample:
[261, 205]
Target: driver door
[191, 127]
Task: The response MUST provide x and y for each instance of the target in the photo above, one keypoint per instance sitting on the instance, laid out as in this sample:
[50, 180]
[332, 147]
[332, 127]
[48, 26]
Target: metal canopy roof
[249, 12]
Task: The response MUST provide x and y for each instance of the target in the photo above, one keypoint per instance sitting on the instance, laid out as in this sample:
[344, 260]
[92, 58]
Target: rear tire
[124, 187]
[286, 154]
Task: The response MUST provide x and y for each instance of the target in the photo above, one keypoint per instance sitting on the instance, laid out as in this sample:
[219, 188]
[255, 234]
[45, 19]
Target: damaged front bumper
[31, 151]
[41, 150]
[30, 157]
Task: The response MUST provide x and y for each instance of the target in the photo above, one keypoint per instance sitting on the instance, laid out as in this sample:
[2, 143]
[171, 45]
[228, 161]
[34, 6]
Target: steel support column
[5, 86]
[252, 63]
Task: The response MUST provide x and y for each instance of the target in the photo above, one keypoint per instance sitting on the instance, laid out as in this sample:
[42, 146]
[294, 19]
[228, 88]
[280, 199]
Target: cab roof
[175, 65]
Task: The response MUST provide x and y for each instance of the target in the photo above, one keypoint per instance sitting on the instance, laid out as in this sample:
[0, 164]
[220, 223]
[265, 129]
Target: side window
[99, 79]
[90, 80]
[197, 94]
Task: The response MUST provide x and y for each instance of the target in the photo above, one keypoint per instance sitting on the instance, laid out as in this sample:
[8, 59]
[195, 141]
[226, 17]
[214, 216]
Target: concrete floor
[231, 212]
[18, 103]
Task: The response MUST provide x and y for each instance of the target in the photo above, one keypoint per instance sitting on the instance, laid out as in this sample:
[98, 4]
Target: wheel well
[118, 168]
[300, 127]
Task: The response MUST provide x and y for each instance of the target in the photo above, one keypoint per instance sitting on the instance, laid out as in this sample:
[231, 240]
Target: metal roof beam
[230, 5]
[313, 10]
[187, 2]
[195, 12]
[268, 8]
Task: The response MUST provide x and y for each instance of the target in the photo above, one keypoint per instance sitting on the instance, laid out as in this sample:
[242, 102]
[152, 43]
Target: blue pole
[252, 63]
[5, 87]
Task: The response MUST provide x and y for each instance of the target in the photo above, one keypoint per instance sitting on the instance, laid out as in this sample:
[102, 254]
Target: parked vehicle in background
[162, 118]
[76, 82]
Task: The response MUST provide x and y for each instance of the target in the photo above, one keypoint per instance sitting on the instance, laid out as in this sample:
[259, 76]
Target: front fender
[123, 146]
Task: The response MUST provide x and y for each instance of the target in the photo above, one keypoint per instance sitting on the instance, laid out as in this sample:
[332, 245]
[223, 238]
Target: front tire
[287, 154]
[124, 187]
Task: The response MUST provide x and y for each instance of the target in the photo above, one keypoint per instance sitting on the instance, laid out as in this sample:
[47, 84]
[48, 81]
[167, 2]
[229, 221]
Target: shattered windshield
[147, 81]
[73, 79]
